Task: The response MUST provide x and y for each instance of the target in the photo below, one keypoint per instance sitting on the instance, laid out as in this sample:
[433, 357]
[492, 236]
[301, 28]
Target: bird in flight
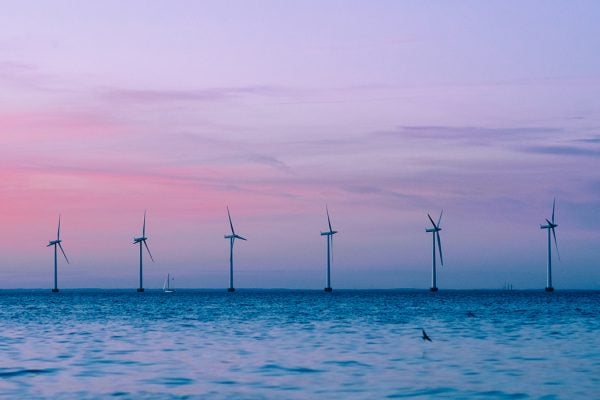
[425, 336]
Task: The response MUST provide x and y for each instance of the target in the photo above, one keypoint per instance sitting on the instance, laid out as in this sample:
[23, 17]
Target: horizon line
[158, 289]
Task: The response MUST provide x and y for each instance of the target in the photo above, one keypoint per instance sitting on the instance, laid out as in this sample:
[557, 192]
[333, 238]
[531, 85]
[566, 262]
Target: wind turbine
[56, 243]
[435, 233]
[329, 235]
[550, 225]
[142, 241]
[231, 238]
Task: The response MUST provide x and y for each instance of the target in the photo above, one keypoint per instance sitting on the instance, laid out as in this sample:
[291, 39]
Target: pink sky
[385, 111]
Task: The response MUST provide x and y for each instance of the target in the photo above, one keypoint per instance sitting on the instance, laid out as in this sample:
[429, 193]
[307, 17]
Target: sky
[383, 110]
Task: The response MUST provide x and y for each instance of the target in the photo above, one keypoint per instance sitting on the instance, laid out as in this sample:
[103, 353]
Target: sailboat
[167, 285]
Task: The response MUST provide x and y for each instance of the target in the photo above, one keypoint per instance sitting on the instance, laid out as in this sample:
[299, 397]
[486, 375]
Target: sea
[299, 344]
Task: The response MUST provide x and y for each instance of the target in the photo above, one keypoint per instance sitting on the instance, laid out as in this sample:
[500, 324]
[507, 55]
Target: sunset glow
[384, 111]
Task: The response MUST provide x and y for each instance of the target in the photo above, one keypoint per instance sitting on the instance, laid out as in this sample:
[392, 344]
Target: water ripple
[299, 344]
[15, 372]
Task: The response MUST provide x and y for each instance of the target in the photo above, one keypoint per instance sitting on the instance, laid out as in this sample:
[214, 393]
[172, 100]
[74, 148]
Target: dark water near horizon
[280, 344]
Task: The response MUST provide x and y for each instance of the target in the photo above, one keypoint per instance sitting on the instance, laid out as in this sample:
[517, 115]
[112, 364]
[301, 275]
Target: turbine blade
[431, 219]
[148, 248]
[230, 223]
[553, 207]
[439, 242]
[58, 232]
[328, 219]
[239, 237]
[63, 252]
[144, 226]
[331, 238]
[440, 219]
[555, 243]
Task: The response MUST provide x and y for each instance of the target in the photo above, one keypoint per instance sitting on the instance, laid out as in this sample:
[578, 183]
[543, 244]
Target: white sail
[167, 285]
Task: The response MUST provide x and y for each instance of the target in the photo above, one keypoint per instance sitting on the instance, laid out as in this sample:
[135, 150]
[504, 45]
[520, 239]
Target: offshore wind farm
[434, 230]
[197, 160]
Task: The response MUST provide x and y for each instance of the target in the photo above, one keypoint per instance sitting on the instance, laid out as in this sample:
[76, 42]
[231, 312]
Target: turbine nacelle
[235, 237]
[139, 239]
[54, 242]
[430, 230]
[549, 225]
[330, 233]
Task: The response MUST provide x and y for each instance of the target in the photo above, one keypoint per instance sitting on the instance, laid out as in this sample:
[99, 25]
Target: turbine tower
[231, 238]
[56, 243]
[142, 242]
[550, 225]
[435, 233]
[329, 235]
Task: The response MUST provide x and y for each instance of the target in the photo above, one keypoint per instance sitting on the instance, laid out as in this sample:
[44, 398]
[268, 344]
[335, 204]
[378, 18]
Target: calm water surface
[299, 344]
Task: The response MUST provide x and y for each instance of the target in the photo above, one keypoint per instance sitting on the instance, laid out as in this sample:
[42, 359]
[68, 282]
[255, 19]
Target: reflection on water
[299, 344]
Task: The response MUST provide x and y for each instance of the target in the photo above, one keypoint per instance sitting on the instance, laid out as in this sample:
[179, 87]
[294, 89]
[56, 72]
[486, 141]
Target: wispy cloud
[20, 74]
[392, 197]
[204, 149]
[563, 150]
[57, 124]
[593, 140]
[11, 68]
[189, 95]
[267, 160]
[28, 77]
[472, 134]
